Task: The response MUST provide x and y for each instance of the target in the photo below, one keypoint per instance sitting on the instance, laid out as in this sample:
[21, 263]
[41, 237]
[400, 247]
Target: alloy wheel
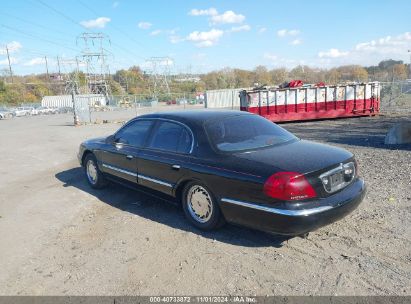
[200, 204]
[91, 171]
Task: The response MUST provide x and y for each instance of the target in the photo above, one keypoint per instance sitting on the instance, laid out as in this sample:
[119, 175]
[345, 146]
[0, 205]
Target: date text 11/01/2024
[203, 299]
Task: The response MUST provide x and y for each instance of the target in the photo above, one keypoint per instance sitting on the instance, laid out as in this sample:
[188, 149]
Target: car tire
[200, 207]
[94, 176]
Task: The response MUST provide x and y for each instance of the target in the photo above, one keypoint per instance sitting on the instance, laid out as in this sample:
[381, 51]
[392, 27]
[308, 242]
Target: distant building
[62, 101]
[187, 79]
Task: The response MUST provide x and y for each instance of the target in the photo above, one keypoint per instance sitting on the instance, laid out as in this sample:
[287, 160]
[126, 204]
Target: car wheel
[95, 177]
[200, 207]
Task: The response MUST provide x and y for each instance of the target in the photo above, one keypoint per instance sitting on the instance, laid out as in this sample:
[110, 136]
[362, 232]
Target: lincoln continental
[228, 166]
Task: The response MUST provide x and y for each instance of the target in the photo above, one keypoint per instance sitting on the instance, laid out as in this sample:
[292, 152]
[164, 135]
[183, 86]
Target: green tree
[2, 86]
[279, 76]
[262, 76]
[333, 77]
[399, 71]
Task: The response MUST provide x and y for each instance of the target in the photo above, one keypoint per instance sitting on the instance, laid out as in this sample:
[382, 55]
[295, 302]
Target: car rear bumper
[294, 218]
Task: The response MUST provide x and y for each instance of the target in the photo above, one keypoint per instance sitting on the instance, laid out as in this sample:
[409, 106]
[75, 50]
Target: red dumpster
[313, 102]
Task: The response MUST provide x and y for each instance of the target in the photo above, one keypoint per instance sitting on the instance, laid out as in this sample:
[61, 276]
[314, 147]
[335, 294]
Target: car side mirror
[110, 139]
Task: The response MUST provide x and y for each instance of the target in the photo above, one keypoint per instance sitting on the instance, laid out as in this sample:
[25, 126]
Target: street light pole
[409, 75]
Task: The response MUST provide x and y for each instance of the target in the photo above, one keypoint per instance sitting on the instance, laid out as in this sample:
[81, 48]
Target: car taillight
[288, 186]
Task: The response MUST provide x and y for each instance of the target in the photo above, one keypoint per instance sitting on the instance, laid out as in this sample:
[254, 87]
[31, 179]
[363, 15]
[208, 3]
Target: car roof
[195, 116]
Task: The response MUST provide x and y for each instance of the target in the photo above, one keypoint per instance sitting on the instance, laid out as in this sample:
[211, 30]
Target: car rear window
[245, 132]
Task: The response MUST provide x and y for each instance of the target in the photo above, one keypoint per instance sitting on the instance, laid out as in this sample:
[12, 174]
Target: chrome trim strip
[120, 170]
[155, 180]
[303, 212]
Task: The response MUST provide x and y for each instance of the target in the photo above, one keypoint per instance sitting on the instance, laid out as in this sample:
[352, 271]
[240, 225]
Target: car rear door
[162, 161]
[120, 158]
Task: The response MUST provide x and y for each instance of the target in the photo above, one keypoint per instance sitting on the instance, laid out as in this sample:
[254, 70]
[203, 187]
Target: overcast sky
[201, 36]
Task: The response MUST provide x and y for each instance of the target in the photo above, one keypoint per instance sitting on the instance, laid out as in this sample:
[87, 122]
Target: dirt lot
[59, 237]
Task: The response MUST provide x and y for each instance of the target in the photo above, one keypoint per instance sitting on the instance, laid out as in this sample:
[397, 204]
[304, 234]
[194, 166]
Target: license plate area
[338, 178]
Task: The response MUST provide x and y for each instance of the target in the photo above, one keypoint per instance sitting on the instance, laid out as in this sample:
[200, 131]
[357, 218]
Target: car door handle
[175, 167]
[129, 156]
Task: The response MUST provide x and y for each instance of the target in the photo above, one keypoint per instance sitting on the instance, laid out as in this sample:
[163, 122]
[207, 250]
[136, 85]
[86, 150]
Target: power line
[96, 14]
[30, 35]
[34, 23]
[36, 37]
[60, 13]
[128, 51]
[78, 24]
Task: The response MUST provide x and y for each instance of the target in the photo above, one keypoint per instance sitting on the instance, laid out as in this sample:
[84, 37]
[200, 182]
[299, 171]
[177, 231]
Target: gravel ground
[59, 237]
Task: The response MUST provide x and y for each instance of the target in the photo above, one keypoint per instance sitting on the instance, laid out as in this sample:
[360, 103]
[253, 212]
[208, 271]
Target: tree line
[132, 81]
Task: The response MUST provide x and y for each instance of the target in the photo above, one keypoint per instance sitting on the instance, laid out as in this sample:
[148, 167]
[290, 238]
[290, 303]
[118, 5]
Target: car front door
[120, 158]
[162, 161]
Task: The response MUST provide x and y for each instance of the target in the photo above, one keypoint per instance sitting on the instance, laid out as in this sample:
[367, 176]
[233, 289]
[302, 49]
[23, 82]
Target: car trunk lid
[320, 163]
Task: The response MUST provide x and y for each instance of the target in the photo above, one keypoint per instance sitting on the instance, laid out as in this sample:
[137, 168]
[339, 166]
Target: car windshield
[245, 132]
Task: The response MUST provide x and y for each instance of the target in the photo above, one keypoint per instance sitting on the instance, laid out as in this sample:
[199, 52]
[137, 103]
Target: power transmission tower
[159, 70]
[71, 75]
[124, 82]
[95, 56]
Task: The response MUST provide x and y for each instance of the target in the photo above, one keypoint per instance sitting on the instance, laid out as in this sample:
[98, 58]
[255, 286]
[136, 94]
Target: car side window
[134, 133]
[171, 137]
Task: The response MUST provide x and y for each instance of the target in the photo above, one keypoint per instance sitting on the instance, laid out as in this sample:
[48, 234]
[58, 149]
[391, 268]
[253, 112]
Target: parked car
[64, 110]
[42, 110]
[25, 111]
[46, 110]
[229, 166]
[5, 113]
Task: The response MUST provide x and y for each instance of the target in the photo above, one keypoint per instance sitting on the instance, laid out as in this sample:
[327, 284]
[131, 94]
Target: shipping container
[223, 99]
[311, 102]
[63, 101]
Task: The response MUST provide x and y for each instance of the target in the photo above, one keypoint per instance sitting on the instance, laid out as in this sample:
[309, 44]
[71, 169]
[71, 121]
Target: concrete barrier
[400, 133]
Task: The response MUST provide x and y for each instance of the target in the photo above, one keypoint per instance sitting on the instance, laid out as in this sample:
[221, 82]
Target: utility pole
[58, 65]
[409, 52]
[73, 99]
[8, 58]
[47, 68]
[59, 79]
[47, 73]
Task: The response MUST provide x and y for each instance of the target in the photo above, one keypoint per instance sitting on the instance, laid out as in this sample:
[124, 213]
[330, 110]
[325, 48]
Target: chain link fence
[396, 97]
[124, 107]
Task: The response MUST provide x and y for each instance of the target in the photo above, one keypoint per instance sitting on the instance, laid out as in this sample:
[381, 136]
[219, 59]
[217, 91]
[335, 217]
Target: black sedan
[229, 166]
